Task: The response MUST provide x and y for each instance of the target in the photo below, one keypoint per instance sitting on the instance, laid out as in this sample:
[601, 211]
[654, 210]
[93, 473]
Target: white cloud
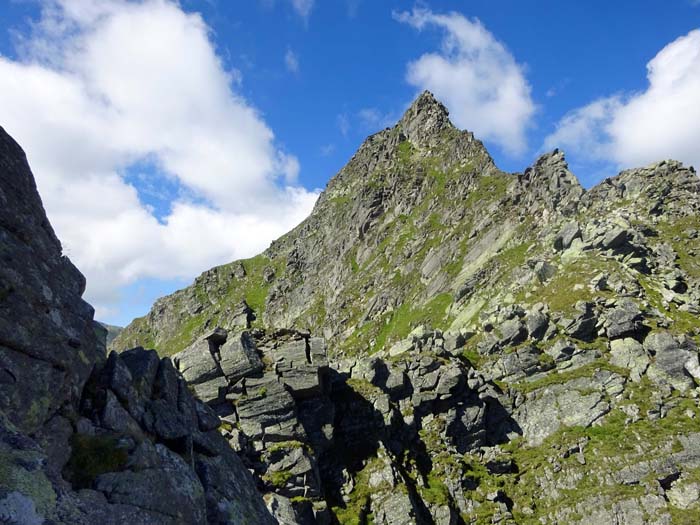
[661, 122]
[103, 84]
[303, 7]
[327, 150]
[291, 61]
[580, 130]
[374, 120]
[475, 76]
[343, 123]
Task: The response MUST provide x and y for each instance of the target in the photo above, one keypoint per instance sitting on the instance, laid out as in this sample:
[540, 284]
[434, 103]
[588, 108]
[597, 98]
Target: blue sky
[116, 103]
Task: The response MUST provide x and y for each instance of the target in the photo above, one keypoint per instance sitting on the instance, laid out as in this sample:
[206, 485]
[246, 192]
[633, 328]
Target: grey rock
[230, 491]
[213, 391]
[583, 326]
[239, 357]
[281, 509]
[143, 366]
[393, 508]
[566, 236]
[196, 363]
[511, 332]
[625, 320]
[452, 380]
[54, 371]
[297, 369]
[166, 422]
[400, 347]
[578, 402]
[206, 417]
[536, 323]
[240, 316]
[180, 495]
[268, 410]
[549, 185]
[684, 494]
[615, 238]
[629, 353]
[453, 341]
[669, 363]
[48, 345]
[544, 271]
[516, 365]
[115, 417]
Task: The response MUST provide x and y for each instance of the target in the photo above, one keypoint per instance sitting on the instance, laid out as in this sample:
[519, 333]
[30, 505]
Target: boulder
[669, 362]
[536, 323]
[197, 363]
[578, 402]
[239, 357]
[566, 235]
[268, 410]
[180, 495]
[625, 320]
[512, 332]
[143, 366]
[211, 392]
[629, 353]
[583, 326]
[561, 350]
[297, 369]
[615, 238]
[453, 342]
[516, 365]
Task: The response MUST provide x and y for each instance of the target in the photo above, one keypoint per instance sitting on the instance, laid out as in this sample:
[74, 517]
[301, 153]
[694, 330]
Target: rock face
[440, 342]
[87, 439]
[315, 432]
[47, 338]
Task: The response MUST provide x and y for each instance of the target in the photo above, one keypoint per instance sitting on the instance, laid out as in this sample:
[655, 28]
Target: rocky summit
[439, 342]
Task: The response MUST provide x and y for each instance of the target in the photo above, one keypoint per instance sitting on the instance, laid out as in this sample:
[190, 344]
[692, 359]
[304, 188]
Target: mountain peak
[426, 101]
[425, 117]
[551, 183]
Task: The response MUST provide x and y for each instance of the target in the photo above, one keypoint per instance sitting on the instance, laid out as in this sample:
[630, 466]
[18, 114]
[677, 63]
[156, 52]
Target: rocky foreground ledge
[416, 434]
[86, 439]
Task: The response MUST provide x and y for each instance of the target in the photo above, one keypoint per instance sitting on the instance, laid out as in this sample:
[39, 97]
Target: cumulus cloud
[475, 76]
[303, 7]
[291, 61]
[327, 150]
[373, 119]
[660, 122]
[343, 122]
[101, 85]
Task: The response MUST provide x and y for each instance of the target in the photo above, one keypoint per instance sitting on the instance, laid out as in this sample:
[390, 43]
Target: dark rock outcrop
[86, 439]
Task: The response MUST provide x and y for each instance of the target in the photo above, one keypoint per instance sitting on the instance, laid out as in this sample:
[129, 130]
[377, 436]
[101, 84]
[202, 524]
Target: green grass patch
[554, 378]
[92, 456]
[405, 152]
[278, 478]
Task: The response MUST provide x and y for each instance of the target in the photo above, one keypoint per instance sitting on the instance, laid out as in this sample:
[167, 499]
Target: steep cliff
[86, 438]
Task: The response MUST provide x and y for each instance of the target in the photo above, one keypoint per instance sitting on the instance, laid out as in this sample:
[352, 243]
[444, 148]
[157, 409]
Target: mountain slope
[398, 227]
[499, 348]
